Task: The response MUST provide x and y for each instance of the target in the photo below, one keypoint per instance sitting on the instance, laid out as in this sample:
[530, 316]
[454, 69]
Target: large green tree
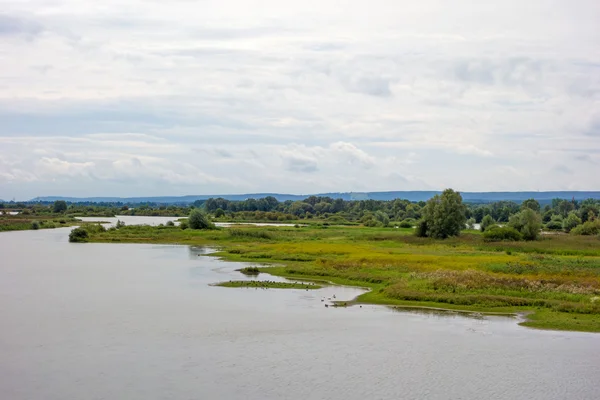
[60, 206]
[443, 215]
[528, 222]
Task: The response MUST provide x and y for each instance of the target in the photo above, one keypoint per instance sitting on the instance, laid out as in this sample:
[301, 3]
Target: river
[128, 321]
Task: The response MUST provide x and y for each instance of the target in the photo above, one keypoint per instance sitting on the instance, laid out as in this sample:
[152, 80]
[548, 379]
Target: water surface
[129, 321]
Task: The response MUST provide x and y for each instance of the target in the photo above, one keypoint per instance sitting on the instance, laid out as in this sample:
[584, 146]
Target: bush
[486, 222]
[497, 233]
[407, 223]
[588, 228]
[199, 220]
[35, 225]
[183, 225]
[170, 223]
[78, 235]
[120, 224]
[219, 213]
[421, 230]
[554, 225]
[572, 221]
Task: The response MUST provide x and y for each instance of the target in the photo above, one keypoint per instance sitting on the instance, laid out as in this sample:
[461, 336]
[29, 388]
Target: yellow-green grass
[269, 285]
[556, 279]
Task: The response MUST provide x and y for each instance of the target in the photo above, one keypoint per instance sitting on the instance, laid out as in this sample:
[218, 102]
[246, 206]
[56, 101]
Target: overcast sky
[197, 97]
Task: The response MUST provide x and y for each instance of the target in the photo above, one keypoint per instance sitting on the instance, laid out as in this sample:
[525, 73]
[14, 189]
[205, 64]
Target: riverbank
[556, 280]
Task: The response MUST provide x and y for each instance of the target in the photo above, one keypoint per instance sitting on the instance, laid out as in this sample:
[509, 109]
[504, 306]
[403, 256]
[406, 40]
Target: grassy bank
[556, 279]
[21, 222]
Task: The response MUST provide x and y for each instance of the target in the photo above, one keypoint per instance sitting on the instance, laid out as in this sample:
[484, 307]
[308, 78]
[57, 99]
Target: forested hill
[473, 197]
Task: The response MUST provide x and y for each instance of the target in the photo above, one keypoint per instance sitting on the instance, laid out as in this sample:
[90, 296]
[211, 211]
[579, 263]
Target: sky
[177, 97]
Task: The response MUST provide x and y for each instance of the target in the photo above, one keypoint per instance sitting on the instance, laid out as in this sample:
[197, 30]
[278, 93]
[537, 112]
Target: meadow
[554, 280]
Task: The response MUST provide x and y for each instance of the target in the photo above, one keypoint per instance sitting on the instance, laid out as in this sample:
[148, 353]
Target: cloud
[205, 97]
[16, 26]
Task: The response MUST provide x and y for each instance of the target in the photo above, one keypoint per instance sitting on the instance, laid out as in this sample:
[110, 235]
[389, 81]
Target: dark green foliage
[183, 225]
[199, 220]
[407, 223]
[532, 204]
[497, 233]
[170, 223]
[119, 224]
[35, 225]
[60, 206]
[78, 235]
[421, 229]
[554, 226]
[445, 215]
[250, 271]
[219, 213]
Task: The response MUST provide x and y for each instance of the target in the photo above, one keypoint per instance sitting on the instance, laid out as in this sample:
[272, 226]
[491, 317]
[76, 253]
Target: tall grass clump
[239, 233]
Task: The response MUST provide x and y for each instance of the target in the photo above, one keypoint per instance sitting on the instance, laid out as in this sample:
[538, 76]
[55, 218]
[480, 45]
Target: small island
[269, 285]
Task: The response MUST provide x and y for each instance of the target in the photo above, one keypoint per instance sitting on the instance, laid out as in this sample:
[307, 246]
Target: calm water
[116, 321]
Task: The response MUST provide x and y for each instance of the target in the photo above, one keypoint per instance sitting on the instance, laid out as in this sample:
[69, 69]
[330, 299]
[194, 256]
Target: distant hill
[471, 197]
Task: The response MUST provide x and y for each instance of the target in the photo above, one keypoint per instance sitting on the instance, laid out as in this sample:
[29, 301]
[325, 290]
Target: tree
[528, 222]
[486, 222]
[60, 206]
[199, 220]
[219, 213]
[471, 223]
[382, 217]
[532, 204]
[444, 215]
[571, 221]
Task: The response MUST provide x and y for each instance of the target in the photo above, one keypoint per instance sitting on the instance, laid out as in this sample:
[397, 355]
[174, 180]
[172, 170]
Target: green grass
[269, 285]
[21, 222]
[556, 279]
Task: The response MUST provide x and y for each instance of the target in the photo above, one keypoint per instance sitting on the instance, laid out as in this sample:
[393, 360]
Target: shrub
[183, 225]
[35, 225]
[554, 225]
[120, 224]
[219, 213]
[571, 222]
[407, 223]
[199, 220]
[421, 230]
[78, 235]
[497, 233]
[170, 223]
[486, 222]
[588, 228]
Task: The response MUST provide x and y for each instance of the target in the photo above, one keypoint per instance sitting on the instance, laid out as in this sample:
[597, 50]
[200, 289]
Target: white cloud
[297, 96]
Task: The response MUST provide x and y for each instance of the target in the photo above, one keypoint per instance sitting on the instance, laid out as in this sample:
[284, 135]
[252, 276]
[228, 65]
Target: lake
[128, 321]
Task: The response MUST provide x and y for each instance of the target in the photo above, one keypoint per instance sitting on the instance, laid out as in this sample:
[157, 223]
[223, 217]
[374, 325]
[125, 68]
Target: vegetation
[443, 216]
[78, 235]
[199, 220]
[269, 285]
[557, 277]
[250, 271]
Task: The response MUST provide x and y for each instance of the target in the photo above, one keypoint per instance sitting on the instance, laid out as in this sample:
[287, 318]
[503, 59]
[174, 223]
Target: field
[555, 280]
